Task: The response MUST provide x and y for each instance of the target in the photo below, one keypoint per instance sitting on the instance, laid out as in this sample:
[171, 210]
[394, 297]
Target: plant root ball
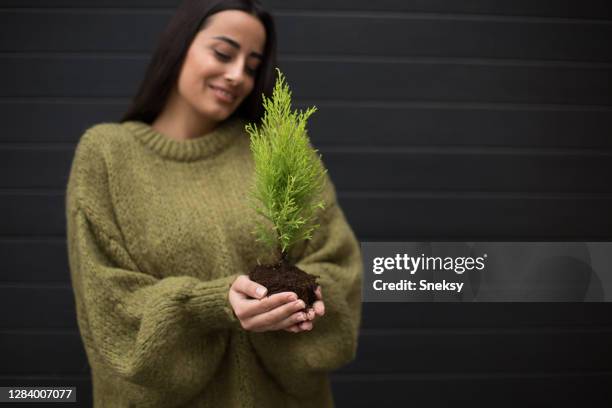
[284, 277]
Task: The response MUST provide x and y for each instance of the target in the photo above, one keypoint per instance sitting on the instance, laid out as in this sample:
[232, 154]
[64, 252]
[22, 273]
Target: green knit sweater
[157, 231]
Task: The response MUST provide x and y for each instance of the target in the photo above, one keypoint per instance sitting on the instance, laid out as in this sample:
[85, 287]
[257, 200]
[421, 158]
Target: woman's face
[221, 64]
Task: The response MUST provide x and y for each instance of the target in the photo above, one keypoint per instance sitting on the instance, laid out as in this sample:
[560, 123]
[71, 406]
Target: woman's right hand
[258, 312]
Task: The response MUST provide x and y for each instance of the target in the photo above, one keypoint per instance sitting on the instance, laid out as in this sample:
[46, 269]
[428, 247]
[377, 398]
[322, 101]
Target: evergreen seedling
[289, 181]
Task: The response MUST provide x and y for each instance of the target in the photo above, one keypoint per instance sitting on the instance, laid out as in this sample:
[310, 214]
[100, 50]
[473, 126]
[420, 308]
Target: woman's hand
[259, 313]
[317, 309]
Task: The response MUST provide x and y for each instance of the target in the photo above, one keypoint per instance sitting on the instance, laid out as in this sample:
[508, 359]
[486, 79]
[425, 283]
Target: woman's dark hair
[167, 60]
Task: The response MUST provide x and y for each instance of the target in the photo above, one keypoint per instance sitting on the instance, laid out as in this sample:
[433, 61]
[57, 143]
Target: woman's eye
[225, 58]
[221, 56]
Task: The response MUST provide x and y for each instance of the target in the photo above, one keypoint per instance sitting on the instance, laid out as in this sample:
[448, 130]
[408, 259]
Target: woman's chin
[217, 114]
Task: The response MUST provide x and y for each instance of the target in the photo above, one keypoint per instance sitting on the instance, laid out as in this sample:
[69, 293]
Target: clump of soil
[284, 277]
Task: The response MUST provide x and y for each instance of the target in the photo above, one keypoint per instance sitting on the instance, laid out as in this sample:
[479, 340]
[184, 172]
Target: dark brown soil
[284, 277]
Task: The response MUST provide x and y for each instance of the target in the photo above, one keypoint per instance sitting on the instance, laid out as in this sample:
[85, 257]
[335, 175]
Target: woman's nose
[235, 72]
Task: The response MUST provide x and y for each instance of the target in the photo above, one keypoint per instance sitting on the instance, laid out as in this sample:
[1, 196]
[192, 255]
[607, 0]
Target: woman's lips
[222, 94]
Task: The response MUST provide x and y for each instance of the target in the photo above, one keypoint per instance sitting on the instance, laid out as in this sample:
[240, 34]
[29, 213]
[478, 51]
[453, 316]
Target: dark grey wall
[438, 119]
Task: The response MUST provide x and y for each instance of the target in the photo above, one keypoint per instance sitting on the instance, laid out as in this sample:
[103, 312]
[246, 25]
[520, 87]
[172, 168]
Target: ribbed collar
[198, 148]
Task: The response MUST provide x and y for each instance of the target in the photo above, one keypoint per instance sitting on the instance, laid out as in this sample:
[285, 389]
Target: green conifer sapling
[289, 181]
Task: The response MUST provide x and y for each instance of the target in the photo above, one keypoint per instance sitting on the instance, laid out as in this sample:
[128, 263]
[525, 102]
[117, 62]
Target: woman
[159, 237]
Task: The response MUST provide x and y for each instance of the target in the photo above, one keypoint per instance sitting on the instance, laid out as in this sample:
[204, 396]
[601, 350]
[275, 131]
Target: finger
[310, 314]
[306, 326]
[319, 308]
[319, 293]
[293, 329]
[269, 320]
[258, 306]
[252, 289]
[294, 320]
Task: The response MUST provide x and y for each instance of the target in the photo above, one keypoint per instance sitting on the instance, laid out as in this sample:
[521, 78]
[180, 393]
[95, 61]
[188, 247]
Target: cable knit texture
[157, 230]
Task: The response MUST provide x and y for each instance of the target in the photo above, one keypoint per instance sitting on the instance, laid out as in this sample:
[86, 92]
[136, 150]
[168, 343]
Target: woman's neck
[179, 121]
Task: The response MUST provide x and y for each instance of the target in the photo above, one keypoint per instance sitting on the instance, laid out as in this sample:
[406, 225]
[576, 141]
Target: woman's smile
[223, 94]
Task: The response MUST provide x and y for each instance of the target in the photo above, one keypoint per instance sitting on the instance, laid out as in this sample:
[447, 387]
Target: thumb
[250, 288]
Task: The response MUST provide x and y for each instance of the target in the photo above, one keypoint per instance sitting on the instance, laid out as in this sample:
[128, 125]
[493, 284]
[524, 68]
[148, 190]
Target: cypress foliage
[289, 175]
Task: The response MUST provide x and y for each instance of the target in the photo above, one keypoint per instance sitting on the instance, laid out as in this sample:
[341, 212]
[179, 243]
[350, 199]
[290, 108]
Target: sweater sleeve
[300, 361]
[167, 335]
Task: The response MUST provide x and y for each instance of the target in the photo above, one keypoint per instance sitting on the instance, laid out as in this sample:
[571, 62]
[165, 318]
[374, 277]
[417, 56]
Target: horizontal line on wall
[95, 100]
[458, 150]
[414, 15]
[37, 146]
[484, 105]
[387, 150]
[339, 103]
[92, 10]
[430, 239]
[39, 191]
[35, 285]
[126, 55]
[335, 58]
[471, 195]
[32, 239]
[341, 377]
[43, 377]
[374, 194]
[447, 61]
[38, 331]
[487, 331]
[328, 13]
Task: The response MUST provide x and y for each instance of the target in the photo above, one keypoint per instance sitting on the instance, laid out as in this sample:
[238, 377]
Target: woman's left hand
[317, 309]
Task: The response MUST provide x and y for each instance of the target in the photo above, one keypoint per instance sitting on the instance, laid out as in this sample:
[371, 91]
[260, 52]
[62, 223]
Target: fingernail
[300, 303]
[292, 297]
[260, 291]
